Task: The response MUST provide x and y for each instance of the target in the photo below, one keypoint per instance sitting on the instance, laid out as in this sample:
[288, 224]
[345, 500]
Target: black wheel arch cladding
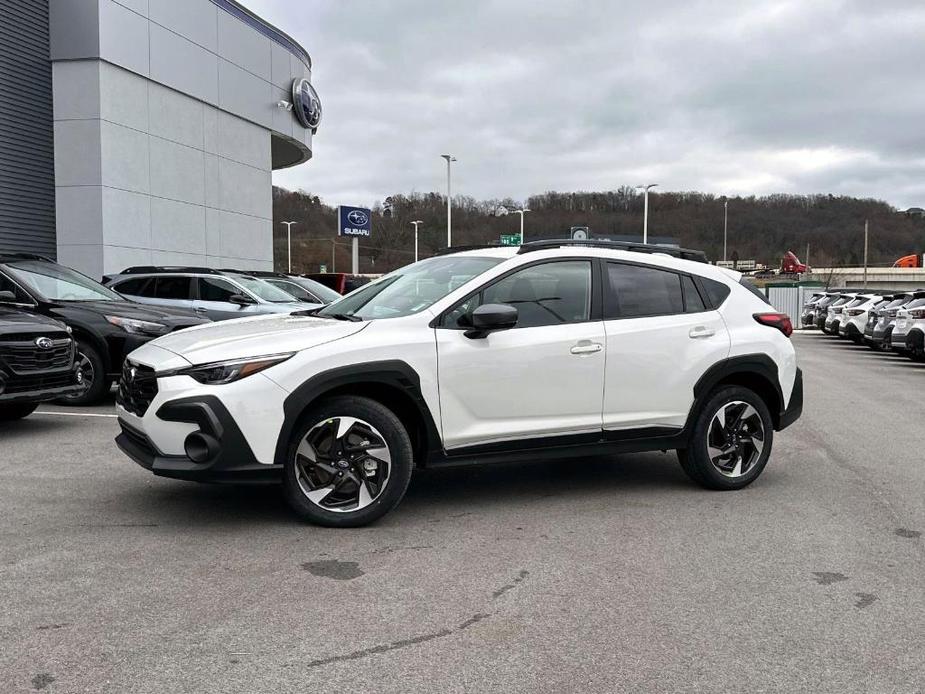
[390, 376]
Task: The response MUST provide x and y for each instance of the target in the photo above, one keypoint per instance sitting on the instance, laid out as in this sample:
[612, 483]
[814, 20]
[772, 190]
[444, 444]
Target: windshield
[410, 289]
[58, 283]
[265, 290]
[326, 294]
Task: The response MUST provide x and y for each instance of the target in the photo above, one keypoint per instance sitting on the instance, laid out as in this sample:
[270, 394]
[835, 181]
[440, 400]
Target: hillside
[759, 227]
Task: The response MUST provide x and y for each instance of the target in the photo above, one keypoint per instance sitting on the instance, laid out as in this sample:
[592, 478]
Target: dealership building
[137, 132]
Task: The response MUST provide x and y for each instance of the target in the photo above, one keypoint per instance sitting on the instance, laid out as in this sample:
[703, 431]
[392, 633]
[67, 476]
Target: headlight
[221, 372]
[137, 327]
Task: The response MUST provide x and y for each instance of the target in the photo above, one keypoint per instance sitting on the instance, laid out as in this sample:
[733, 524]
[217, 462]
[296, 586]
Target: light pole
[521, 212]
[645, 214]
[725, 226]
[416, 223]
[289, 242]
[449, 197]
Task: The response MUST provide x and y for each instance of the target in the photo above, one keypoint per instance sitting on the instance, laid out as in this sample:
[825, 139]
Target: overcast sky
[820, 96]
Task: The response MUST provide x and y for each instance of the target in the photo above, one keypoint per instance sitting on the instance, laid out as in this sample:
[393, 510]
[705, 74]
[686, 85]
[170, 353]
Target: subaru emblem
[357, 217]
[44, 343]
[132, 373]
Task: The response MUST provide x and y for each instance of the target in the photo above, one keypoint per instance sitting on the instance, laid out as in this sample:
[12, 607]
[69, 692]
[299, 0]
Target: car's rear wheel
[348, 464]
[730, 440]
[13, 411]
[93, 376]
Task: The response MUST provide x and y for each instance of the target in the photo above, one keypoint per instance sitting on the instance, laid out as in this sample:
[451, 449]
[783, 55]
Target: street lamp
[449, 196]
[725, 226]
[645, 214]
[521, 212]
[415, 223]
[289, 242]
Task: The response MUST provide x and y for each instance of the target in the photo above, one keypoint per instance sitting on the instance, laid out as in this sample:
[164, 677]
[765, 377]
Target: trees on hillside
[759, 227]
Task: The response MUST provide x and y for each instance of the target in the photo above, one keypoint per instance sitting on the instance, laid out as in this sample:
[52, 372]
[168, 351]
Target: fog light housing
[201, 448]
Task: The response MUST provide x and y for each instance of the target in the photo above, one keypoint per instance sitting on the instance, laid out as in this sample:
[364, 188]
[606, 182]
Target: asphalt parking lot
[600, 576]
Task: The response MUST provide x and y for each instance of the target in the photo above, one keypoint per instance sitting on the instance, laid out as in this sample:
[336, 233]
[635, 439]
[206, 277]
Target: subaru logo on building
[305, 104]
[44, 343]
[357, 217]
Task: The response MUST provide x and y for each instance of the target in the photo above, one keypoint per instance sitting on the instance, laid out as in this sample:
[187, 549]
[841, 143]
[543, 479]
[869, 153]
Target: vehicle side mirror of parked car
[490, 318]
[241, 300]
[7, 296]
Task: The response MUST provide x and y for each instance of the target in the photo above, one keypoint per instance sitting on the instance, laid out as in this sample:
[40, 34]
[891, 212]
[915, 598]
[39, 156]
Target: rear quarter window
[716, 291]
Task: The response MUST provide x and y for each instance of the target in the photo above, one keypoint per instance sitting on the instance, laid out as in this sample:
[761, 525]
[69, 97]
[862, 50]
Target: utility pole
[725, 226]
[522, 211]
[416, 223]
[865, 252]
[449, 201]
[289, 243]
[806, 262]
[334, 255]
[645, 214]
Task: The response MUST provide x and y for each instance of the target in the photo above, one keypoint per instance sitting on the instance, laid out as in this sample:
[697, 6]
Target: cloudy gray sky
[820, 96]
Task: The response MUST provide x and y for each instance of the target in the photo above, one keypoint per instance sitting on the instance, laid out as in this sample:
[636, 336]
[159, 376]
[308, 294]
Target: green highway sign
[510, 239]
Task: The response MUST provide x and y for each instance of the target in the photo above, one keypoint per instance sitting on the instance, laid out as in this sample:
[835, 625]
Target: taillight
[781, 321]
[855, 311]
[917, 313]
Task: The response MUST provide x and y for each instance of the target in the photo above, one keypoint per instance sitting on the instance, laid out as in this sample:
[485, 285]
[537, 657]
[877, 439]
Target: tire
[342, 464]
[94, 374]
[753, 445]
[14, 411]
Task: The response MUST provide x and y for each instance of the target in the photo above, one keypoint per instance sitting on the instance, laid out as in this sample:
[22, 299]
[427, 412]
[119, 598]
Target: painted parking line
[74, 414]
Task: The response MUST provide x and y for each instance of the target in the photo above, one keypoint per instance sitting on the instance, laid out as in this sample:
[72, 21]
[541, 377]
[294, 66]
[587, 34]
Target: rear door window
[139, 286]
[172, 287]
[637, 291]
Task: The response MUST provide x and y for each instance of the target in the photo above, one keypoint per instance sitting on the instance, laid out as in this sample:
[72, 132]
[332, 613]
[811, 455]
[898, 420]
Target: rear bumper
[234, 461]
[795, 407]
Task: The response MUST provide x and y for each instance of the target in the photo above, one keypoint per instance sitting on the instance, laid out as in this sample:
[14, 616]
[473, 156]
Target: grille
[22, 356]
[28, 384]
[136, 391]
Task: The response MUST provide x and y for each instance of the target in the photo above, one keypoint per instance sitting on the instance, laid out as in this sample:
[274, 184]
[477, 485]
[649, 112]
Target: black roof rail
[25, 256]
[159, 269]
[683, 253]
[255, 273]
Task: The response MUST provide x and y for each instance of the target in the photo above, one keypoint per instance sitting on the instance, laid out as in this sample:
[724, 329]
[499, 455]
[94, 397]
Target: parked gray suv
[215, 294]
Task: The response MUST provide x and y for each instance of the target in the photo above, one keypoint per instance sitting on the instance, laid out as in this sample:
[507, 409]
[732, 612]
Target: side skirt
[561, 447]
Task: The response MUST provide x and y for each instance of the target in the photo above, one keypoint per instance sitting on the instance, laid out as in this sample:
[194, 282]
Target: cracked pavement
[594, 575]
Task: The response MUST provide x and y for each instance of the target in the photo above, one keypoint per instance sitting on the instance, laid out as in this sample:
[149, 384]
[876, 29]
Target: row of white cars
[883, 320]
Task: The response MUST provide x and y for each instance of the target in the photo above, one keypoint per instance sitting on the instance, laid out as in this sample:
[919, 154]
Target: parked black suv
[105, 325]
[36, 362]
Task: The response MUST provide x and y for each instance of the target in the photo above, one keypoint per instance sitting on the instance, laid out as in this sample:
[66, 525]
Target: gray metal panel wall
[27, 167]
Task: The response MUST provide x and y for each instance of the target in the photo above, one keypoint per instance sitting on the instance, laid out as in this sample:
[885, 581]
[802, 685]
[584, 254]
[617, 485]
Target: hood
[253, 337]
[13, 321]
[130, 309]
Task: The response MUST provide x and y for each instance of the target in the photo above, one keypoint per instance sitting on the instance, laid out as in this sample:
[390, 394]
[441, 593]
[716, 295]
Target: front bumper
[233, 462]
[41, 388]
[795, 406]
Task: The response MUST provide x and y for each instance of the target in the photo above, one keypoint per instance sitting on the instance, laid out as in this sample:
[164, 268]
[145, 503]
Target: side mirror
[7, 296]
[490, 318]
[241, 300]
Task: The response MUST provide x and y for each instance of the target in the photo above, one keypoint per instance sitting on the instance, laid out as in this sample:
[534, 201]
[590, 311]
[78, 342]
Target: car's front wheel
[14, 411]
[730, 440]
[93, 377]
[348, 464]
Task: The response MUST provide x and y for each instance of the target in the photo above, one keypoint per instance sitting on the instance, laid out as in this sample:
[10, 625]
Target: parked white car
[852, 320]
[909, 327]
[554, 349]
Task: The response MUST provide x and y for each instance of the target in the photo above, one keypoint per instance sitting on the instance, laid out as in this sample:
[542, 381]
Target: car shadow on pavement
[196, 505]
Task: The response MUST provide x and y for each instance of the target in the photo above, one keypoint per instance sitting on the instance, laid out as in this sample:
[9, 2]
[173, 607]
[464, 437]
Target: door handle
[199, 309]
[701, 331]
[586, 347]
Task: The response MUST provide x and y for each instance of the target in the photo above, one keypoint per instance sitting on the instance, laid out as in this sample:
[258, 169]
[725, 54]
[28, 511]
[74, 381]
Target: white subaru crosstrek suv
[554, 349]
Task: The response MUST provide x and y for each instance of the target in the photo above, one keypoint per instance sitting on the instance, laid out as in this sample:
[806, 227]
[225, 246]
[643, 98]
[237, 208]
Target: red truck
[791, 265]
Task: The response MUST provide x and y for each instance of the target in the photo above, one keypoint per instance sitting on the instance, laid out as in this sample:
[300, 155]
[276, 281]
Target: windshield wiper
[342, 316]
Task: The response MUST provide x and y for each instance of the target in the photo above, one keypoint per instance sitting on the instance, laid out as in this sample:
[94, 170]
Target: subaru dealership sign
[354, 221]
